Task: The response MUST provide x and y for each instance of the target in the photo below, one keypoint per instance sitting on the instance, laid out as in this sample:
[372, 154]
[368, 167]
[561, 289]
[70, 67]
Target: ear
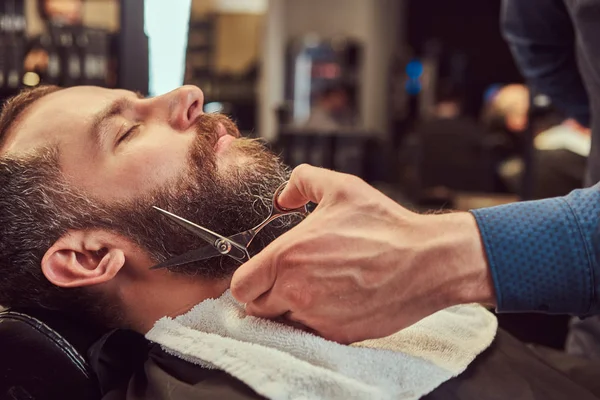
[83, 258]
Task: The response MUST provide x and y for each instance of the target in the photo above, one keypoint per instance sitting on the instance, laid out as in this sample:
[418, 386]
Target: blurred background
[421, 98]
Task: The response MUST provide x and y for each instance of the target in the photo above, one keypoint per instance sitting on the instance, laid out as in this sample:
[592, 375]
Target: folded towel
[282, 362]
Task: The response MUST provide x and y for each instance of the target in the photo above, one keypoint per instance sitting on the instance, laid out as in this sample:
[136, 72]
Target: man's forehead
[58, 115]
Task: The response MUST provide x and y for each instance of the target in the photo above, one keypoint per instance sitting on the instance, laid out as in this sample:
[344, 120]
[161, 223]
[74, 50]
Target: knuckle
[348, 187]
[289, 254]
[238, 290]
[342, 195]
[302, 169]
[298, 296]
[291, 263]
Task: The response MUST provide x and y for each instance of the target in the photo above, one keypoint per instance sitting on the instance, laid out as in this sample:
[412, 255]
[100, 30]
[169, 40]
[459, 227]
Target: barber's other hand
[361, 266]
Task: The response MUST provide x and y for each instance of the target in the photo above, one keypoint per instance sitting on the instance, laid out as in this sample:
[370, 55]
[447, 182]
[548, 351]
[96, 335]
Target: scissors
[235, 246]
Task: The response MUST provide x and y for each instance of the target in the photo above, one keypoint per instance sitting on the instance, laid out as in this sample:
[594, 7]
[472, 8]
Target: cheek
[144, 166]
[140, 166]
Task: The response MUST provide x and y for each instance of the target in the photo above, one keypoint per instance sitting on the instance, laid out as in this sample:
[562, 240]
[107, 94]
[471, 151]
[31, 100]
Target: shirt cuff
[538, 257]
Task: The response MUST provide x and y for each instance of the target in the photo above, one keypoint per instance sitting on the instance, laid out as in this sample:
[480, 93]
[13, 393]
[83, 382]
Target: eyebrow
[116, 108]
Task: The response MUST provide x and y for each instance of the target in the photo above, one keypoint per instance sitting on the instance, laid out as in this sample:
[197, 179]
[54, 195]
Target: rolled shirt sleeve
[543, 254]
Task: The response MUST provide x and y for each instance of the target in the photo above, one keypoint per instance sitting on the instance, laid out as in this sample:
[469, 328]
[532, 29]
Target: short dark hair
[32, 196]
[15, 107]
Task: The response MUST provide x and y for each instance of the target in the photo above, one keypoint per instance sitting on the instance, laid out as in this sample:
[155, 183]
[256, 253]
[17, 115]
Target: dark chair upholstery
[37, 362]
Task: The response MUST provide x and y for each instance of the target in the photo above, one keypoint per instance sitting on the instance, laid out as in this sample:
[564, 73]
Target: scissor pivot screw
[223, 246]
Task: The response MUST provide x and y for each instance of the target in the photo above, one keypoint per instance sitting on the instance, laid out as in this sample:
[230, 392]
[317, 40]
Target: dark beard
[38, 206]
[225, 201]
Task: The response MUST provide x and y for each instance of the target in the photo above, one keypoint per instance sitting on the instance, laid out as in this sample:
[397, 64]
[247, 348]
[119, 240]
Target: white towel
[564, 137]
[281, 362]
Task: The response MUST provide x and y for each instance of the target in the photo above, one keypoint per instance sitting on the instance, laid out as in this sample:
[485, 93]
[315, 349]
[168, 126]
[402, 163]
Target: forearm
[361, 266]
[456, 250]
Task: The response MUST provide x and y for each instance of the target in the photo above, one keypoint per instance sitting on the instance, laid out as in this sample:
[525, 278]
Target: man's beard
[226, 198]
[39, 205]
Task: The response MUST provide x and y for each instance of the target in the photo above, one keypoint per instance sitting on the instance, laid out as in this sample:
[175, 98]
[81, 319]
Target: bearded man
[80, 171]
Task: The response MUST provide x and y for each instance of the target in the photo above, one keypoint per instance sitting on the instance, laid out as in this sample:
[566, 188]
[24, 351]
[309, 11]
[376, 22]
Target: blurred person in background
[331, 110]
[451, 147]
[507, 108]
[561, 146]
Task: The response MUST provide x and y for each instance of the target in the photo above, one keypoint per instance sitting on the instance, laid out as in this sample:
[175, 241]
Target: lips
[219, 130]
[223, 143]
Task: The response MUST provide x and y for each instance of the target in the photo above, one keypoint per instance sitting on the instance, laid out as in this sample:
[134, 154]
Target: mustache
[228, 200]
[201, 158]
[211, 125]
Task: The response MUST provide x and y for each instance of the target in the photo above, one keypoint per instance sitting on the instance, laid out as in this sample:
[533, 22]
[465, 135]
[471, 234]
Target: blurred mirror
[64, 12]
[70, 42]
[223, 55]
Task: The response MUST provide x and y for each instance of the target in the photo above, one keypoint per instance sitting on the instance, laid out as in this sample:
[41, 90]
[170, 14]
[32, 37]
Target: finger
[292, 319]
[255, 277]
[298, 322]
[268, 305]
[307, 183]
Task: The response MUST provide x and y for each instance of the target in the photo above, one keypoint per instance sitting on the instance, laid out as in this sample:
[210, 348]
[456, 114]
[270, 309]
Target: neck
[168, 296]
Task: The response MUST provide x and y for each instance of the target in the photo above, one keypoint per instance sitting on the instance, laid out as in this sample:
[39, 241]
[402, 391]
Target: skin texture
[361, 266]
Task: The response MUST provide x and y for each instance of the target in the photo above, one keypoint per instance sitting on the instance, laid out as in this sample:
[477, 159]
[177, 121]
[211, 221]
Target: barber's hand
[361, 266]
[577, 127]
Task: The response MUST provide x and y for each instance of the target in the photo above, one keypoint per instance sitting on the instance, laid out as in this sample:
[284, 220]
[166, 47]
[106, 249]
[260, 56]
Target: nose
[185, 105]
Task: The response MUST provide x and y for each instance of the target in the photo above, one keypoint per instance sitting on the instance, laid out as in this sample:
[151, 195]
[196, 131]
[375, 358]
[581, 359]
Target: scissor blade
[202, 253]
[203, 233]
[243, 238]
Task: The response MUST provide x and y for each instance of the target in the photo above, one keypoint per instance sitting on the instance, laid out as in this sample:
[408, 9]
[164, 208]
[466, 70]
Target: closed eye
[129, 134]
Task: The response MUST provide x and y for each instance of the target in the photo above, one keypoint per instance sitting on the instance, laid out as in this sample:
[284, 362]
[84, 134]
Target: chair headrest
[43, 357]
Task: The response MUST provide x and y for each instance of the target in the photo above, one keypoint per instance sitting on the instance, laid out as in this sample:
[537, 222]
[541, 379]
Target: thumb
[255, 277]
[307, 183]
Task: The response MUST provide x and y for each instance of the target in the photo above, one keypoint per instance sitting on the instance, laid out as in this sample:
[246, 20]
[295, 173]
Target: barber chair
[43, 355]
[38, 362]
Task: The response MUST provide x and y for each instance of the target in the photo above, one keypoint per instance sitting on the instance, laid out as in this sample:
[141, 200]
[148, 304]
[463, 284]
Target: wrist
[459, 257]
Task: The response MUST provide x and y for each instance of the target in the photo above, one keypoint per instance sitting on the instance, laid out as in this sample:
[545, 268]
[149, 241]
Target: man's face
[128, 153]
[514, 101]
[89, 126]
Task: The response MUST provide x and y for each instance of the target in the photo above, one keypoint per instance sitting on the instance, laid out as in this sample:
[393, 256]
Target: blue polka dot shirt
[543, 254]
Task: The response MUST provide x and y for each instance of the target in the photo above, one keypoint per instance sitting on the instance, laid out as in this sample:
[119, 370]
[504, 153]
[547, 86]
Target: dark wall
[133, 48]
[471, 27]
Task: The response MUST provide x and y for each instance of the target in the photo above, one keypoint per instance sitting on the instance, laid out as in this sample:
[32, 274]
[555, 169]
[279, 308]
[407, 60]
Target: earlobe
[81, 259]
